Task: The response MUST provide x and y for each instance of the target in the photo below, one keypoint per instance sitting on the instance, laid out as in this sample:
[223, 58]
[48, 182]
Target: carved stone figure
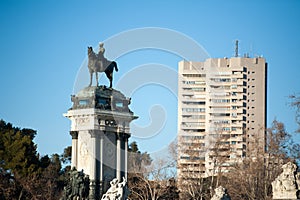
[98, 63]
[116, 190]
[77, 187]
[285, 185]
[220, 194]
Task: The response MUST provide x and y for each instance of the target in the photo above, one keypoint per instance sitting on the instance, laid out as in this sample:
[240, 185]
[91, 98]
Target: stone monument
[220, 194]
[100, 119]
[77, 186]
[285, 186]
[117, 190]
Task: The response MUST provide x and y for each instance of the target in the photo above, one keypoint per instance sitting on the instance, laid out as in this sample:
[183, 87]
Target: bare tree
[154, 181]
[192, 180]
[251, 179]
[295, 102]
[219, 157]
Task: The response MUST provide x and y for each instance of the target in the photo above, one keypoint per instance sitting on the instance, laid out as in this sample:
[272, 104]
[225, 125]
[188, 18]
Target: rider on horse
[98, 63]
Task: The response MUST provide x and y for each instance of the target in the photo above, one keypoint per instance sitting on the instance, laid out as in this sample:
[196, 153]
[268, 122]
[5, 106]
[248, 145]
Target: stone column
[93, 166]
[126, 156]
[119, 158]
[74, 135]
[101, 165]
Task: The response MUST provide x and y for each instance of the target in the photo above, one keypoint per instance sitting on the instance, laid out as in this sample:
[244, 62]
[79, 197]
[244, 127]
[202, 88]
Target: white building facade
[221, 114]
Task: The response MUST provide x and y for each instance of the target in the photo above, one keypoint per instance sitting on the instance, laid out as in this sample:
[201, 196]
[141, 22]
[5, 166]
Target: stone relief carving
[83, 152]
[82, 121]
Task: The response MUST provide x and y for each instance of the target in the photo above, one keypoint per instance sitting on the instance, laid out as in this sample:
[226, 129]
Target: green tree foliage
[137, 163]
[23, 173]
[17, 150]
[137, 160]
[66, 156]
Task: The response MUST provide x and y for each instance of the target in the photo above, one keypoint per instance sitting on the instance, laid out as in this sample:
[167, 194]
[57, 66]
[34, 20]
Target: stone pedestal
[285, 185]
[100, 120]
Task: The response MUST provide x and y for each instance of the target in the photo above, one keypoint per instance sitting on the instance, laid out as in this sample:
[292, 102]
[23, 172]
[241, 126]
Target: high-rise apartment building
[221, 114]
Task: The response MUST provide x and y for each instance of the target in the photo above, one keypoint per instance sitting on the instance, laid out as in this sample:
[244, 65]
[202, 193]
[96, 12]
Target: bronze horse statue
[97, 63]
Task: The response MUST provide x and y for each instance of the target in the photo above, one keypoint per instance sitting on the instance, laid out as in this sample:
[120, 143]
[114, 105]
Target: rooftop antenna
[251, 49]
[236, 48]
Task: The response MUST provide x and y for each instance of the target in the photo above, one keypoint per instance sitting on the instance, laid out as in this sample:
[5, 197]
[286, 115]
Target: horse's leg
[91, 79]
[97, 78]
[116, 67]
[109, 76]
[111, 79]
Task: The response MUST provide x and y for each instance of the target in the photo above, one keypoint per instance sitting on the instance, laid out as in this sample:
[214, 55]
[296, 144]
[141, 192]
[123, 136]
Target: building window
[83, 102]
[221, 122]
[194, 75]
[196, 89]
[194, 82]
[220, 114]
[220, 100]
[194, 102]
[193, 109]
[226, 87]
[193, 124]
[221, 79]
[193, 116]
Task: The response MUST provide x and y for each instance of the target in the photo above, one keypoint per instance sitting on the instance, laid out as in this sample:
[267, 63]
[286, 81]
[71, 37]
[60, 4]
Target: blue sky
[44, 44]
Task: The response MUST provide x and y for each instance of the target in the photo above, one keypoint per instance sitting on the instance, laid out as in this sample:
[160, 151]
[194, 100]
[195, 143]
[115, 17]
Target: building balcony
[237, 103]
[237, 117]
[186, 126]
[240, 82]
[216, 104]
[239, 96]
[188, 120]
[237, 89]
[237, 75]
[239, 110]
[190, 92]
[238, 146]
[220, 110]
[239, 127]
[236, 139]
[212, 117]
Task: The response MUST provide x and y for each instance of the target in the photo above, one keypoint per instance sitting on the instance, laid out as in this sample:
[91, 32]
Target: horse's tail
[116, 67]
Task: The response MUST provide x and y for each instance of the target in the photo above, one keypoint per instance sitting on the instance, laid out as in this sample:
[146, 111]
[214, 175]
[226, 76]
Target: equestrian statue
[98, 63]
